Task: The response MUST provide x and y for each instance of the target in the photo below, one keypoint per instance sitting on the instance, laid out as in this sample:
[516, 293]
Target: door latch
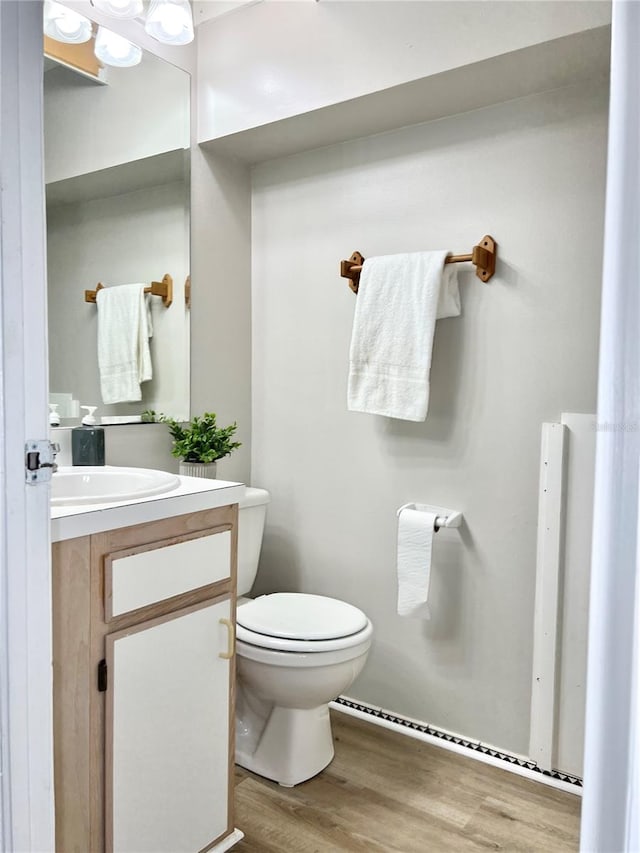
[102, 676]
[40, 460]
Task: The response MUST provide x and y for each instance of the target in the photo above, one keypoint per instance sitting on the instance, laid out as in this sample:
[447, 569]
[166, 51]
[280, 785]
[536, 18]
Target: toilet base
[294, 746]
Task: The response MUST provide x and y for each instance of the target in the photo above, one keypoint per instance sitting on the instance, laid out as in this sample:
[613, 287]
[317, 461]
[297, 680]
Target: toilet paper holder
[444, 517]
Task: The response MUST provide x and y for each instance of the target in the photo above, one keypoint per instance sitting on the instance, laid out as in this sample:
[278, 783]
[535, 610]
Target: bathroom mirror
[117, 190]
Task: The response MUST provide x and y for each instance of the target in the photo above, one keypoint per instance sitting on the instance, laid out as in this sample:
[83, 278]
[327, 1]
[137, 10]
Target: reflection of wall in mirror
[137, 236]
[117, 212]
[140, 112]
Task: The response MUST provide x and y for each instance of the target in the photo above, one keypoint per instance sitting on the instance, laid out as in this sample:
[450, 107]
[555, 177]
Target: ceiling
[205, 10]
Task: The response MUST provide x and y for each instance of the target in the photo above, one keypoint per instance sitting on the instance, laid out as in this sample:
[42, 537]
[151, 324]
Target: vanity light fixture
[170, 21]
[167, 21]
[112, 49]
[66, 25]
[120, 8]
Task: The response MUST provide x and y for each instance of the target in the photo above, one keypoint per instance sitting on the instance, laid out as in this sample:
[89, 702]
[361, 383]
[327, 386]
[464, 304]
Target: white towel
[124, 329]
[416, 530]
[399, 299]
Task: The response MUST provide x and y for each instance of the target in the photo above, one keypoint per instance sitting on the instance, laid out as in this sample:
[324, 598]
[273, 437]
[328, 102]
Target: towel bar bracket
[351, 269]
[483, 257]
[162, 288]
[90, 295]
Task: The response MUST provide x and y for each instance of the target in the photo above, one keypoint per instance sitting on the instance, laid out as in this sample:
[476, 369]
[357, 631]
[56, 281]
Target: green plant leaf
[201, 439]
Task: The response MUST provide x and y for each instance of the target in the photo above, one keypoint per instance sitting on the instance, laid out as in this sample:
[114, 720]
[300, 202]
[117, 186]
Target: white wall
[136, 237]
[531, 173]
[278, 59]
[221, 306]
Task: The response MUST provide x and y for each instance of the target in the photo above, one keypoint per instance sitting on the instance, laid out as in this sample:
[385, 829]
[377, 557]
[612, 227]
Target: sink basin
[100, 485]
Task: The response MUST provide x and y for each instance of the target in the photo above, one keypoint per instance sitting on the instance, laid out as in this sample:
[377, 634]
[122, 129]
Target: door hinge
[102, 676]
[40, 460]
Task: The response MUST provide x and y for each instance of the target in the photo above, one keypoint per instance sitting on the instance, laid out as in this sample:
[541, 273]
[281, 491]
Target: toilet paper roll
[416, 530]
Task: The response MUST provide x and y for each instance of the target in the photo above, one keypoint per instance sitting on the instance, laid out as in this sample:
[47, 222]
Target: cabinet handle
[231, 638]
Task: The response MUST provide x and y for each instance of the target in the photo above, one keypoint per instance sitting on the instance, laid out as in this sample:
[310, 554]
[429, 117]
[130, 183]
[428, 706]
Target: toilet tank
[253, 511]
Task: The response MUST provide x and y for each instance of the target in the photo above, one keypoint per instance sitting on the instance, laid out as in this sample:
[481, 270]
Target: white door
[26, 764]
[168, 730]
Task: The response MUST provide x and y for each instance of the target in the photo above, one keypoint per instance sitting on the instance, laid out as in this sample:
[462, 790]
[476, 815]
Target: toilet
[295, 653]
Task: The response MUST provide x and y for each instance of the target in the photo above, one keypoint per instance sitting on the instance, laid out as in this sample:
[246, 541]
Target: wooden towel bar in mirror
[162, 288]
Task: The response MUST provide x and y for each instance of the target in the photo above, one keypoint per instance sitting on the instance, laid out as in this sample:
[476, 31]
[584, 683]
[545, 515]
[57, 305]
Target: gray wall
[531, 173]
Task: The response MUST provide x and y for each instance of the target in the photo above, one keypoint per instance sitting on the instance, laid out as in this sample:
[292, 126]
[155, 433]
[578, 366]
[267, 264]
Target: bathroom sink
[105, 484]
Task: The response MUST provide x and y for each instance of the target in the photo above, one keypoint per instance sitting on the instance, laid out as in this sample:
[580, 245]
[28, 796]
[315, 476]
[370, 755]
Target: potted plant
[199, 443]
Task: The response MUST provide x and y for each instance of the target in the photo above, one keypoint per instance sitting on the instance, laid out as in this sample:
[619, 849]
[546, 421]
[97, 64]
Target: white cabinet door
[168, 729]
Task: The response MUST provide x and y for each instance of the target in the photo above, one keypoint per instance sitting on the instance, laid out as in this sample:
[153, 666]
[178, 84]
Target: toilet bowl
[288, 674]
[295, 653]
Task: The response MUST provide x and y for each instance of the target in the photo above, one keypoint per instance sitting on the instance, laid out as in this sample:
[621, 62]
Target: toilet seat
[300, 616]
[298, 622]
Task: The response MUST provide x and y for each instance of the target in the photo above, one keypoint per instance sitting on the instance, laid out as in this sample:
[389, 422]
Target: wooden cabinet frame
[79, 631]
[141, 612]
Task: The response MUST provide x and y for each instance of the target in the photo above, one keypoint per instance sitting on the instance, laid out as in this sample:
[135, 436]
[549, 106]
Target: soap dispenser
[54, 416]
[87, 441]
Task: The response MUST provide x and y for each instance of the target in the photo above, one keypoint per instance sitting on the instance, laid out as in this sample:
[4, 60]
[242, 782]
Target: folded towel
[124, 329]
[399, 299]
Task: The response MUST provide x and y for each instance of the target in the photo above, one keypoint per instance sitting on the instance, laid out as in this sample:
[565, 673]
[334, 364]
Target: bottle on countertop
[54, 416]
[87, 441]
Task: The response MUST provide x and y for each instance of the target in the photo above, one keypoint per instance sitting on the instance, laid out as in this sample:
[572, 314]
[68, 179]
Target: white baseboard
[228, 842]
[517, 764]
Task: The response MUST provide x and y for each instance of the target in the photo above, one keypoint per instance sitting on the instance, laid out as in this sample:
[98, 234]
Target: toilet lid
[298, 616]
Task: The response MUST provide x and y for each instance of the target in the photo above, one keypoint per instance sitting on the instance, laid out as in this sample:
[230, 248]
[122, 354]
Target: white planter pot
[198, 469]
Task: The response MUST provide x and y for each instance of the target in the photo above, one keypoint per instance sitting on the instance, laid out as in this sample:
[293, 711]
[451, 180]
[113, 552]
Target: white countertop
[192, 495]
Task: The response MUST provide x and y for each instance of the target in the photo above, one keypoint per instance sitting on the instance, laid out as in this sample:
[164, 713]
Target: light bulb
[170, 21]
[112, 49]
[119, 8]
[64, 24]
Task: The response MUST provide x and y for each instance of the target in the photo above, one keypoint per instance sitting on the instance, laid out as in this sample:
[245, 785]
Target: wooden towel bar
[483, 256]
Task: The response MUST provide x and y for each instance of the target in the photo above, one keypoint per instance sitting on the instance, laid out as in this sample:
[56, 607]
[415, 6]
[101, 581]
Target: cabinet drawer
[141, 576]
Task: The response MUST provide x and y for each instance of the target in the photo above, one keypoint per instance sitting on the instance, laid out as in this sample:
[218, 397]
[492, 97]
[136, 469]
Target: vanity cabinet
[143, 686]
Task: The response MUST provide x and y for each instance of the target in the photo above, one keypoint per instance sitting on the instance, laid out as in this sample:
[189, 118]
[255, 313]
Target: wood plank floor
[388, 793]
